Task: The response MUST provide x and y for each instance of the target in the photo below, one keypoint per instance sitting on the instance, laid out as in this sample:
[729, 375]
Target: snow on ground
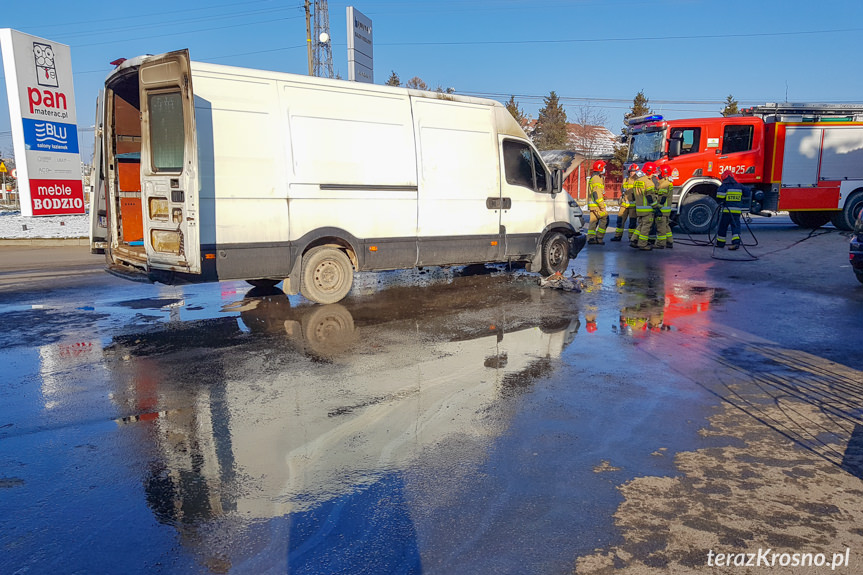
[15, 226]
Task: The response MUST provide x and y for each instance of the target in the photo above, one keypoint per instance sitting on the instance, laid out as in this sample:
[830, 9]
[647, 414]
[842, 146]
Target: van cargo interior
[125, 161]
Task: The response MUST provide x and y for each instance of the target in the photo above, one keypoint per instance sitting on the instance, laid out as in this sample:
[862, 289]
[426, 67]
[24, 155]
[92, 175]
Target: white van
[266, 176]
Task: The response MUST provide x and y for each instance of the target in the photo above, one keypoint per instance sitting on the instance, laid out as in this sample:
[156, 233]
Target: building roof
[591, 141]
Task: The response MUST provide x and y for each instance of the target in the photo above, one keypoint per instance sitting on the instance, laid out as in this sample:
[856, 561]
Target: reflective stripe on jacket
[626, 197]
[644, 196]
[664, 191]
[731, 193]
[596, 193]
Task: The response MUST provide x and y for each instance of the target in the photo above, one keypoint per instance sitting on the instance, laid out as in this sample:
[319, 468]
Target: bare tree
[587, 136]
[417, 83]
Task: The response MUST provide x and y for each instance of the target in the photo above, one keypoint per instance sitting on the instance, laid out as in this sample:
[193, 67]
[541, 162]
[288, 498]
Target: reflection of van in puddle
[312, 432]
[210, 172]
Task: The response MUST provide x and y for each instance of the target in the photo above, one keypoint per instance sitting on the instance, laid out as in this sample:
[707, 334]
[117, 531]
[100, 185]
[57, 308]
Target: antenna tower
[323, 53]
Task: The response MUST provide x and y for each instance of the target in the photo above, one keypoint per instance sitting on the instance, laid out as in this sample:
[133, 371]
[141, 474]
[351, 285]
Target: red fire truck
[806, 159]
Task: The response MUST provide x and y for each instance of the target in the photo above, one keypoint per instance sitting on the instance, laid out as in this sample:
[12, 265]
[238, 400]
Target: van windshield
[645, 147]
[167, 135]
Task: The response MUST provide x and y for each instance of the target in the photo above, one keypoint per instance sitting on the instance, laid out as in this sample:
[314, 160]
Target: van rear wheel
[327, 275]
[555, 254]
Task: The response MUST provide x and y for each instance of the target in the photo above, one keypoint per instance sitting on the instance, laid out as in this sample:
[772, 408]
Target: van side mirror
[673, 148]
[556, 181]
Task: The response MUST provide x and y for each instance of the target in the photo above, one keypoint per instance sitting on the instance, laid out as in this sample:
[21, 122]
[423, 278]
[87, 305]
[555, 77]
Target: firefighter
[627, 206]
[664, 190]
[645, 202]
[596, 205]
[730, 198]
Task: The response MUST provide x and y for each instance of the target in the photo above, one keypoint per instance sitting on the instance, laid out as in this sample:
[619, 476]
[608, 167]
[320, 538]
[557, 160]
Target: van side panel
[352, 166]
[242, 179]
[459, 187]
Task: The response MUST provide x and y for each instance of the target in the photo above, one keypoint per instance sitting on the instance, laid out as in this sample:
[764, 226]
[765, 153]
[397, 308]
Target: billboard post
[44, 129]
[360, 53]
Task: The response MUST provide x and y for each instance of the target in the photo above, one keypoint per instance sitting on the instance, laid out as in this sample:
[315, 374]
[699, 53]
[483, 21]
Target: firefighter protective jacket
[596, 194]
[732, 194]
[664, 190]
[645, 196]
[626, 199]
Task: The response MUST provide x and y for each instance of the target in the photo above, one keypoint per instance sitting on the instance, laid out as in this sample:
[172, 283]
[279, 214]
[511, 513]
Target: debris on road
[558, 281]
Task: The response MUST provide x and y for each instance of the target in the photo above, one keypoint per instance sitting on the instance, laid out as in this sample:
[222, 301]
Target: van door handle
[498, 203]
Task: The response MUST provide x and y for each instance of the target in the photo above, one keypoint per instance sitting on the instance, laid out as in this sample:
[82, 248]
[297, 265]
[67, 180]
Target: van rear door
[169, 163]
[98, 188]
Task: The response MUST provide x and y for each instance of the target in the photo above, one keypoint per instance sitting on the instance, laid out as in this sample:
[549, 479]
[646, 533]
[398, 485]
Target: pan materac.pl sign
[44, 130]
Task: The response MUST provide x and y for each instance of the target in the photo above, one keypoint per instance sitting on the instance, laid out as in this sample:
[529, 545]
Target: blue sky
[686, 55]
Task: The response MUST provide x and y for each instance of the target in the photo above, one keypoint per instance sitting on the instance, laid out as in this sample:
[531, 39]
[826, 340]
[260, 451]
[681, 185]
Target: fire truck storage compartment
[815, 160]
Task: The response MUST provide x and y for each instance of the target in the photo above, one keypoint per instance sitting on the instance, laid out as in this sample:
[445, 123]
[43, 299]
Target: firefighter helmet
[649, 168]
[598, 166]
[633, 168]
[726, 174]
[665, 170]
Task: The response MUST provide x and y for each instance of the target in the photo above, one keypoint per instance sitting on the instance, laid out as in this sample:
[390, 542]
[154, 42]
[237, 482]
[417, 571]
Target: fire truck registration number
[736, 170]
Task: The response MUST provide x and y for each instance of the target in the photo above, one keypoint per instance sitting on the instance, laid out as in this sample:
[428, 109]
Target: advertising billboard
[44, 129]
[360, 54]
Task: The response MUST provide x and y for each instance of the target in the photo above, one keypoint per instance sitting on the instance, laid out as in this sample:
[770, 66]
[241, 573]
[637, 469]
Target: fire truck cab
[806, 159]
[698, 151]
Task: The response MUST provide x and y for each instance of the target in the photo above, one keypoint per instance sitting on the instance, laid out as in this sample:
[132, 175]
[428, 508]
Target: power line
[161, 15]
[187, 32]
[624, 39]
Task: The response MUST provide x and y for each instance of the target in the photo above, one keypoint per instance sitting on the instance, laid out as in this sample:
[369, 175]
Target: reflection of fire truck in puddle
[650, 307]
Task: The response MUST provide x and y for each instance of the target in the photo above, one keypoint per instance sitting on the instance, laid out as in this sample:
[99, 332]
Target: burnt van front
[148, 154]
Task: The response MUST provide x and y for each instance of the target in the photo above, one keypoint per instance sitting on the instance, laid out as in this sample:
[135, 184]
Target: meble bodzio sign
[44, 131]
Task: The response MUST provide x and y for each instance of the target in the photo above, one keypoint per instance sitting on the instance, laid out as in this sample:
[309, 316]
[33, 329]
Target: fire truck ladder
[807, 112]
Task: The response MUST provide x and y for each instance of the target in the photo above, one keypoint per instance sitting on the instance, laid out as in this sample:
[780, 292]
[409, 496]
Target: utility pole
[309, 37]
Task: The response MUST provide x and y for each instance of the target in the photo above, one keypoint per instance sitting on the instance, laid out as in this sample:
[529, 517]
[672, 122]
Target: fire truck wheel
[696, 214]
[859, 275]
[810, 220]
[845, 219]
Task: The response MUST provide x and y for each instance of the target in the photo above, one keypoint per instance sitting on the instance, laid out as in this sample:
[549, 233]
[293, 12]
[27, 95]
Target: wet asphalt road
[439, 421]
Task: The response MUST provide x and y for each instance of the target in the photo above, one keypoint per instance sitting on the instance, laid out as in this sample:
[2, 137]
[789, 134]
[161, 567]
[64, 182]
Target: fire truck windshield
[646, 147]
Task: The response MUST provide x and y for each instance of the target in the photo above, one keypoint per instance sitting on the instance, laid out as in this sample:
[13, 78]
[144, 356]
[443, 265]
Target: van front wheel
[555, 254]
[327, 275]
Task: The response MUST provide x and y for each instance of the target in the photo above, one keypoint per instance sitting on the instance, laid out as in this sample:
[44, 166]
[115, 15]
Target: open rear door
[98, 188]
[169, 164]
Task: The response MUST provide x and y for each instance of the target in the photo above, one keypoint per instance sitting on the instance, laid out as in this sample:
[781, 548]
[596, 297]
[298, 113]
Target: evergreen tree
[517, 113]
[394, 80]
[550, 131]
[730, 106]
[639, 107]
